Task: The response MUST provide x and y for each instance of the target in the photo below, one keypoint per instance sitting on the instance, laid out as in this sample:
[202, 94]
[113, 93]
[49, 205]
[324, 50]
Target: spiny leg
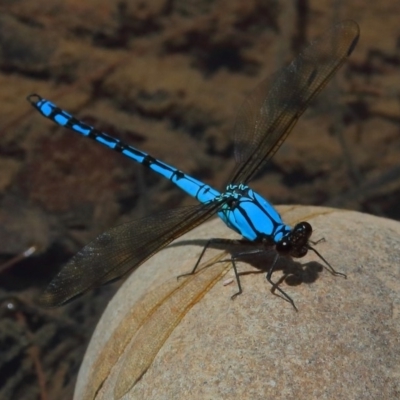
[233, 259]
[225, 242]
[328, 266]
[322, 240]
[275, 286]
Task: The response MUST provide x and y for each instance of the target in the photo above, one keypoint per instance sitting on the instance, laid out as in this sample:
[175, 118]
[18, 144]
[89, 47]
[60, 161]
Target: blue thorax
[251, 215]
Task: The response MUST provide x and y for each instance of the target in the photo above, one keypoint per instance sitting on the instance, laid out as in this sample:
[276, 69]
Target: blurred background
[167, 76]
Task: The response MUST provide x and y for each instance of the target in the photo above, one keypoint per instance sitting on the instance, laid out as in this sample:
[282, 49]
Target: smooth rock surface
[344, 343]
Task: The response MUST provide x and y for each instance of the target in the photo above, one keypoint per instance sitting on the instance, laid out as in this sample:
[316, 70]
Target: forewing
[268, 115]
[122, 249]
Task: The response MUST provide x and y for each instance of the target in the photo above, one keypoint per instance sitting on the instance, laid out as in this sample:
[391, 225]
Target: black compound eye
[304, 228]
[283, 247]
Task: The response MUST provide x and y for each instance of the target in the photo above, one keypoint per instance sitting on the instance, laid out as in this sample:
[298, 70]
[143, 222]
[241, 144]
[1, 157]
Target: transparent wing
[270, 112]
[122, 249]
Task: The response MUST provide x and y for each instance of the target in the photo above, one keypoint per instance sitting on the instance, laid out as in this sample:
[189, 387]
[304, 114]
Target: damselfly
[263, 123]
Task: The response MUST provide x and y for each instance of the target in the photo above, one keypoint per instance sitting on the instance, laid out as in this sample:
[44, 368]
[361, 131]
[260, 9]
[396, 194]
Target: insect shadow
[262, 258]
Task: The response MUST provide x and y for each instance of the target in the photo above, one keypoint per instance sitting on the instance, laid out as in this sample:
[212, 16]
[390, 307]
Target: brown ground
[156, 74]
